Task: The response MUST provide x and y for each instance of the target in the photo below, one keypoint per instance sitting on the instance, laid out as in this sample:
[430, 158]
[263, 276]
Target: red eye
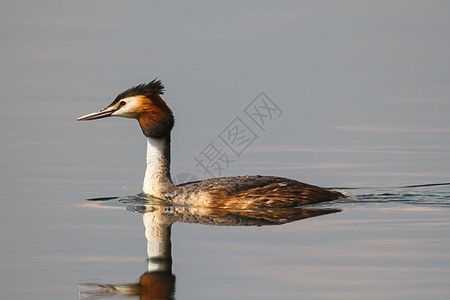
[122, 103]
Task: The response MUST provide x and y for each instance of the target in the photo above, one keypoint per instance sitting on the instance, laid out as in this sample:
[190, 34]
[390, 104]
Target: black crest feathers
[153, 87]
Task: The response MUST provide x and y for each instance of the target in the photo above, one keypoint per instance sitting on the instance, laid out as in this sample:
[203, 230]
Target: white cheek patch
[129, 109]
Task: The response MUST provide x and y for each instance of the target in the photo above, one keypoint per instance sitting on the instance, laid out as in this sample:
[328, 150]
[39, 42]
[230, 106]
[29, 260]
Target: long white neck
[157, 175]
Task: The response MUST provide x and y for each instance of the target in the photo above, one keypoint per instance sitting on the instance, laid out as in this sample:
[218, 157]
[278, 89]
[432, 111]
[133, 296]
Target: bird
[156, 120]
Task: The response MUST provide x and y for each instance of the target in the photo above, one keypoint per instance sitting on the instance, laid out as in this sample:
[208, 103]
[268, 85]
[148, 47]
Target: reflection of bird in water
[159, 282]
[144, 103]
[151, 285]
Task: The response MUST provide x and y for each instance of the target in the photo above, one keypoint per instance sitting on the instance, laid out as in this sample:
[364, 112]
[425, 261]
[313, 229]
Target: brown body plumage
[155, 118]
[250, 192]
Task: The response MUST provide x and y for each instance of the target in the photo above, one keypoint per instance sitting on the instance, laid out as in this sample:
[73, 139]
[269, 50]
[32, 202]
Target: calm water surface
[390, 243]
[385, 243]
[364, 91]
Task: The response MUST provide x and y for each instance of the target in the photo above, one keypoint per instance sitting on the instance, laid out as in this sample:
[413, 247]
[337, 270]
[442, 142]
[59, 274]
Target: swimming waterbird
[144, 103]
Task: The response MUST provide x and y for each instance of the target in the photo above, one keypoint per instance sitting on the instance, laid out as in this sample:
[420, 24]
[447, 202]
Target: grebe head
[143, 103]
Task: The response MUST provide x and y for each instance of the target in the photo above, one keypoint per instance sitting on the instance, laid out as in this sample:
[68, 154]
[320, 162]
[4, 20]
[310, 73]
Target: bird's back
[250, 192]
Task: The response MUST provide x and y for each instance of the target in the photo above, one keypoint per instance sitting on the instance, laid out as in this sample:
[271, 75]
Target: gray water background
[364, 90]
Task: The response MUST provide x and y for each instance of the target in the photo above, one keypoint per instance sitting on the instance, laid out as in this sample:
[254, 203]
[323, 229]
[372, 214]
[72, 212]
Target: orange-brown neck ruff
[154, 116]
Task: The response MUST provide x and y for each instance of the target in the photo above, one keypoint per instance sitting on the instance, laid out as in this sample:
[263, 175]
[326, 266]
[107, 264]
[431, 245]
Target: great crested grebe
[144, 103]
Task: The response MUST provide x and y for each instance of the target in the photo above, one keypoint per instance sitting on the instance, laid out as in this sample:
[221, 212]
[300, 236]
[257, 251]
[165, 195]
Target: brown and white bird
[144, 103]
